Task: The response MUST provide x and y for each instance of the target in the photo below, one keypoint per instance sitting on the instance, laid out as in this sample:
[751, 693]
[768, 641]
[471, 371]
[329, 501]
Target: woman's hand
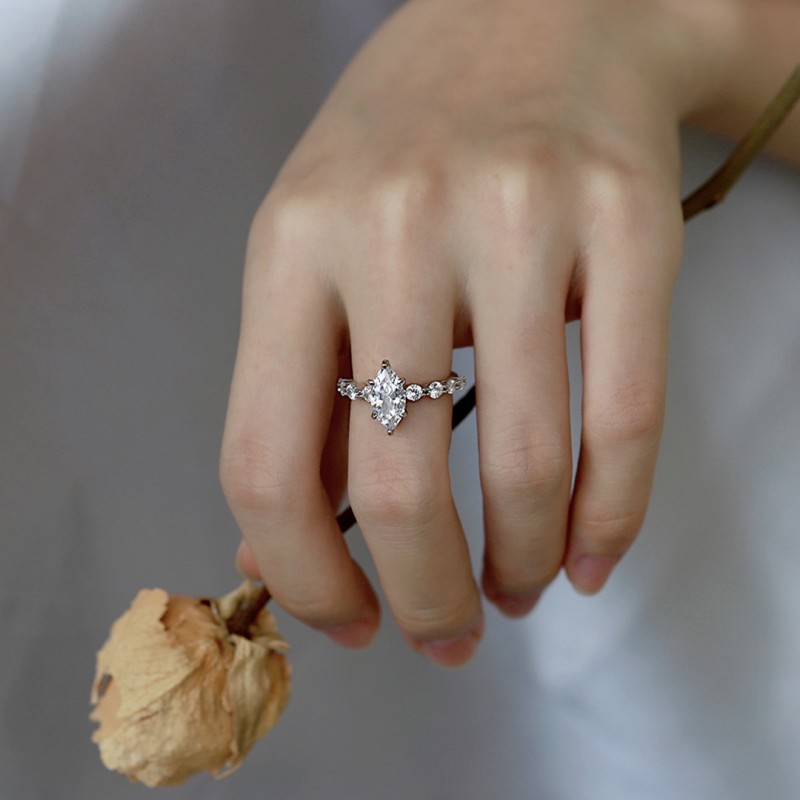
[484, 171]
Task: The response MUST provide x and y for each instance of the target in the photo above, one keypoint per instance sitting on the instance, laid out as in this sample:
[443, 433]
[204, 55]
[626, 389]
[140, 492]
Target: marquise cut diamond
[387, 397]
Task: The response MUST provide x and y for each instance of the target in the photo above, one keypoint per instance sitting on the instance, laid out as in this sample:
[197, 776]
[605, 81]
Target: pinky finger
[624, 340]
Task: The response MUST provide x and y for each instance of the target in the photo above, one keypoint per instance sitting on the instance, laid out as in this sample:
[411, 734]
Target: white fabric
[136, 139]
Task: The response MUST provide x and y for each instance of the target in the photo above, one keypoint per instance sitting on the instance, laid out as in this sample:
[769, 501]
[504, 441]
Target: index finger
[278, 418]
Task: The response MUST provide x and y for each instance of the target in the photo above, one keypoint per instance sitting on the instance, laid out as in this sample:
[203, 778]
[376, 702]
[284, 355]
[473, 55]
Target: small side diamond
[452, 385]
[352, 391]
[435, 389]
[414, 391]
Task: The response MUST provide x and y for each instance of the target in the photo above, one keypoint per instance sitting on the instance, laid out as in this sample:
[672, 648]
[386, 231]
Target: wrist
[742, 51]
[699, 43]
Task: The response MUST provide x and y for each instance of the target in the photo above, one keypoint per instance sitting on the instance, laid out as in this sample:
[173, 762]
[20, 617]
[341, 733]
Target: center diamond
[386, 395]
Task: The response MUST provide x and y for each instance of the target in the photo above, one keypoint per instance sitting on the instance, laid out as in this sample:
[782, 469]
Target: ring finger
[400, 485]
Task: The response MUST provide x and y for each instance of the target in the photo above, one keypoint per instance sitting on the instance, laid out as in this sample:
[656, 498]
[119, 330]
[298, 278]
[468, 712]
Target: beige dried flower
[177, 693]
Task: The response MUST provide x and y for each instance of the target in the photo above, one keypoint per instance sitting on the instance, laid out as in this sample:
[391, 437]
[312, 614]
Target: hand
[483, 172]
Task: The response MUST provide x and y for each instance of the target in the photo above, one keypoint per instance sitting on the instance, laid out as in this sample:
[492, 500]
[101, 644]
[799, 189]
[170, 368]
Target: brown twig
[240, 621]
[709, 194]
[715, 189]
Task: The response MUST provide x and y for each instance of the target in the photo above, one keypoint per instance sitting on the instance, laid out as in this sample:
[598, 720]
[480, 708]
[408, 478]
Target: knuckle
[399, 200]
[515, 186]
[609, 184]
[256, 478]
[518, 466]
[432, 621]
[609, 532]
[402, 187]
[619, 181]
[526, 573]
[317, 611]
[395, 495]
[630, 413]
[394, 213]
[290, 219]
[629, 196]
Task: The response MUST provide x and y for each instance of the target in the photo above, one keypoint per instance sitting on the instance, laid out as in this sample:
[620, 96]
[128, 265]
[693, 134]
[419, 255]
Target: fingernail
[589, 573]
[355, 634]
[515, 606]
[452, 653]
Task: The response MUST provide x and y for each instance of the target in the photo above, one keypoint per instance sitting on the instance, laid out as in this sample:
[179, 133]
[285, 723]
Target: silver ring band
[388, 393]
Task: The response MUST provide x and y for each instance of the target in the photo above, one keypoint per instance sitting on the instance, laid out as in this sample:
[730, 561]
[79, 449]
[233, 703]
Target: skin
[484, 172]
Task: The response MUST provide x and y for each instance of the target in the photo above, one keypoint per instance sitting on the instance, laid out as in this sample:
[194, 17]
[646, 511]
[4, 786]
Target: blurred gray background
[136, 140]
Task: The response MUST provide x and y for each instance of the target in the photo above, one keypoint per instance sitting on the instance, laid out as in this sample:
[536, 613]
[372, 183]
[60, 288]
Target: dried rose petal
[176, 693]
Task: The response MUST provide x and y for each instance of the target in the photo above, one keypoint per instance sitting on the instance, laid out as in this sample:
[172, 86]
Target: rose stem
[245, 615]
[713, 191]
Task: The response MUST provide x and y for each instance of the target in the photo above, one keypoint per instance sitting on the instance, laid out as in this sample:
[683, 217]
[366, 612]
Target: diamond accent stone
[387, 397]
[347, 388]
[414, 392]
[452, 385]
[435, 389]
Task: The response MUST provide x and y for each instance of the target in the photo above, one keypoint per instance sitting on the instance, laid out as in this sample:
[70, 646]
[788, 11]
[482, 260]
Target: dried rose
[177, 693]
